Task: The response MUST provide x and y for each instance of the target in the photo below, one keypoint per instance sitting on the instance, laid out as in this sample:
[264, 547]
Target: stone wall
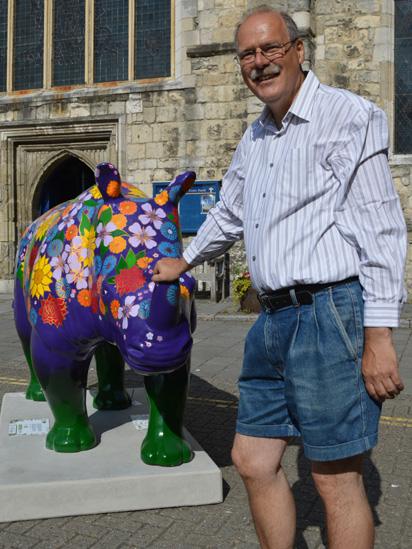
[355, 50]
[196, 120]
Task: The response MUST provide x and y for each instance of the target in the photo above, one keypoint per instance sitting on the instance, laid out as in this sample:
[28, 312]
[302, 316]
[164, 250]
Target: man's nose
[260, 59]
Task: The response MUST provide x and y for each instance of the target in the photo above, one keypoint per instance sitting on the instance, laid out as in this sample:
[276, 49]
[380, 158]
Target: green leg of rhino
[164, 443]
[34, 390]
[110, 373]
[64, 380]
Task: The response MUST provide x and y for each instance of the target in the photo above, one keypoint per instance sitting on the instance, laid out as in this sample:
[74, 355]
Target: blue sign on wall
[195, 204]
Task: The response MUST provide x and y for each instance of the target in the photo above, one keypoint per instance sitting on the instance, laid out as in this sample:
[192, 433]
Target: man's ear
[300, 50]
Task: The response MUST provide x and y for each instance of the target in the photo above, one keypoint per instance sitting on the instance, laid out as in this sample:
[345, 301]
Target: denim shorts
[301, 376]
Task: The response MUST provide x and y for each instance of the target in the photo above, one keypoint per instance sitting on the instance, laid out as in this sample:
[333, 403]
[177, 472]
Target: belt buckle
[264, 301]
[307, 297]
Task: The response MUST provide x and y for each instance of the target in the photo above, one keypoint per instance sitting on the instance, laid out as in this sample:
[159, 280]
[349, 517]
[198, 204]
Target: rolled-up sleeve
[224, 223]
[368, 215]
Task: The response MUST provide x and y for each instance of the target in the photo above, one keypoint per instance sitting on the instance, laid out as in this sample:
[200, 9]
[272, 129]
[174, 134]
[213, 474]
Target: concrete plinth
[39, 483]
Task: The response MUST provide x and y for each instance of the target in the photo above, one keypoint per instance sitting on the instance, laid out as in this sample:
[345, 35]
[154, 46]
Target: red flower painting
[129, 280]
[53, 310]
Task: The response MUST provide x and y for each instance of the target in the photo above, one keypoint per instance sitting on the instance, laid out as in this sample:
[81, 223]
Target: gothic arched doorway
[64, 181]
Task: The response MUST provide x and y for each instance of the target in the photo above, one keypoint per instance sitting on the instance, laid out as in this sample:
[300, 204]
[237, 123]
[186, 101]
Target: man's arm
[222, 227]
[380, 368]
[370, 218]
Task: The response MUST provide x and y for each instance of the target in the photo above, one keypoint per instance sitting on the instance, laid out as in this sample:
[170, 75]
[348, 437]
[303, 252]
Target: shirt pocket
[301, 178]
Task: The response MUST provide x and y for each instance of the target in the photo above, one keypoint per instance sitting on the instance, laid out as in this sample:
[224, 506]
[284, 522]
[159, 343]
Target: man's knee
[337, 480]
[257, 458]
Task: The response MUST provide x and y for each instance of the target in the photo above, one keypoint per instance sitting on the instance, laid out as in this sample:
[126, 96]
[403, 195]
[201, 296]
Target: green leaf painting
[106, 216]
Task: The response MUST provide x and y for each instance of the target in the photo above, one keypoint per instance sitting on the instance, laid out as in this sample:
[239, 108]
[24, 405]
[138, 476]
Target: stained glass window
[28, 44]
[3, 44]
[68, 42]
[111, 40]
[403, 76]
[153, 20]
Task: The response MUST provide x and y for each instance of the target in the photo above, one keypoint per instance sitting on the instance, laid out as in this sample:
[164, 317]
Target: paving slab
[39, 483]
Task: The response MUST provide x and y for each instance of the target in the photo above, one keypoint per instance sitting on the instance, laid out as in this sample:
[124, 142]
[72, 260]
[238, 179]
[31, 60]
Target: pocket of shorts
[341, 307]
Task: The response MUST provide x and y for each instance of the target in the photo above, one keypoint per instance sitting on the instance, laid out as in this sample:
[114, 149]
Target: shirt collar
[302, 105]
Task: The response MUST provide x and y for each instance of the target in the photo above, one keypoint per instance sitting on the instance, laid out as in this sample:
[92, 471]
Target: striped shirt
[314, 201]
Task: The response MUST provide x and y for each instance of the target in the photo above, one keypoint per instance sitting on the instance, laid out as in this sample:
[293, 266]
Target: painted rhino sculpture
[83, 287]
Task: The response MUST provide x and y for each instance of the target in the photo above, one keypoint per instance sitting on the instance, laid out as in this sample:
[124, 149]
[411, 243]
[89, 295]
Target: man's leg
[258, 461]
[348, 515]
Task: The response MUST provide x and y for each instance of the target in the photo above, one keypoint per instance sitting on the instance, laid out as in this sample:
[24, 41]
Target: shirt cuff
[381, 314]
[192, 256]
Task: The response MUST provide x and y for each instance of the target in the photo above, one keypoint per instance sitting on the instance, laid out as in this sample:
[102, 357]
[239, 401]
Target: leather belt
[296, 295]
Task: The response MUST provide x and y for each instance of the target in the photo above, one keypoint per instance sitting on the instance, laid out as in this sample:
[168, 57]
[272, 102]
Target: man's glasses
[271, 52]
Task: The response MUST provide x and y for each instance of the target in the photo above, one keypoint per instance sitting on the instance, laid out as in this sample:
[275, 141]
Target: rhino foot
[112, 400]
[75, 438]
[165, 451]
[35, 392]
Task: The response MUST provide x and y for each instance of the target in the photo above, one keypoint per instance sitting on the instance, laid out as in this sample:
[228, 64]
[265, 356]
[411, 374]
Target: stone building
[152, 85]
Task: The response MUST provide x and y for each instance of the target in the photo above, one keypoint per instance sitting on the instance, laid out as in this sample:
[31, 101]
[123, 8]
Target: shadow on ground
[211, 419]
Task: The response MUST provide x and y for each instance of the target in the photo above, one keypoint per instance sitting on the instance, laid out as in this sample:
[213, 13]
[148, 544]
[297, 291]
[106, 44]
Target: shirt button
[257, 225]
[254, 258]
[264, 195]
[271, 165]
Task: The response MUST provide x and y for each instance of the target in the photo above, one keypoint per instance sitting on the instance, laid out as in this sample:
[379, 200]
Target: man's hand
[169, 269]
[380, 365]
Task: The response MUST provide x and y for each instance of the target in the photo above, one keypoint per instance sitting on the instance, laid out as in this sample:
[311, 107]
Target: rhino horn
[164, 307]
[108, 180]
[179, 187]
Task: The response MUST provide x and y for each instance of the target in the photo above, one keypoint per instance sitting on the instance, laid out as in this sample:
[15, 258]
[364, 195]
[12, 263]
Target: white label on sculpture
[29, 427]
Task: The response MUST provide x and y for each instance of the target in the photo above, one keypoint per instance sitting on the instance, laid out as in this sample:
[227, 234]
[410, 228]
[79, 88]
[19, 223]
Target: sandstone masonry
[194, 120]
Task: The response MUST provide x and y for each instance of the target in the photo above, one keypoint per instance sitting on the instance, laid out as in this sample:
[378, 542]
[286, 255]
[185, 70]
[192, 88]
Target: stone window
[47, 44]
[111, 41]
[68, 42]
[28, 37]
[403, 76]
[3, 44]
[152, 33]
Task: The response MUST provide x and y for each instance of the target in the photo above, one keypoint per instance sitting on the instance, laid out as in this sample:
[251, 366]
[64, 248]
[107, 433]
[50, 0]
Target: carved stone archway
[65, 179]
[28, 153]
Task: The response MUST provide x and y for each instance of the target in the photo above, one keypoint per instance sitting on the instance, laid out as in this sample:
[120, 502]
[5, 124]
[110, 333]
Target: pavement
[210, 417]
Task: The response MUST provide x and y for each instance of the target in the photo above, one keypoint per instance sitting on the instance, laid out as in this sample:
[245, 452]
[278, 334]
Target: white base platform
[39, 483]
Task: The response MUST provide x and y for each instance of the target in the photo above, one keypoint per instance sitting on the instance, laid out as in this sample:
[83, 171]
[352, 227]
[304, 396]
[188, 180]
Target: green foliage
[240, 285]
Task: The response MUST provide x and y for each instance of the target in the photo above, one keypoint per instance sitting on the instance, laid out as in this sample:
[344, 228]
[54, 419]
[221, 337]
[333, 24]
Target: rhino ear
[108, 180]
[179, 187]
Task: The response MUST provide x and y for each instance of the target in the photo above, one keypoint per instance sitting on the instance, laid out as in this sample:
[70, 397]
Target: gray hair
[291, 26]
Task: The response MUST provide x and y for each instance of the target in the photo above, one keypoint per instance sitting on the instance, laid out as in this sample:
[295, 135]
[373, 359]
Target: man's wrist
[381, 332]
[185, 265]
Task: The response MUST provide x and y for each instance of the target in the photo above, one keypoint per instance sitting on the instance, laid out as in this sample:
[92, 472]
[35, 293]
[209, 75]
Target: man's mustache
[271, 70]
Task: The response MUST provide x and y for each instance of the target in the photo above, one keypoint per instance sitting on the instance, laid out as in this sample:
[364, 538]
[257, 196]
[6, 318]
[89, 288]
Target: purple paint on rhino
[83, 286]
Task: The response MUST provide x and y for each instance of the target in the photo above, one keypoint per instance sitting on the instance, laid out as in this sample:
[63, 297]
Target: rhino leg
[64, 383]
[110, 373]
[164, 443]
[23, 327]
[34, 390]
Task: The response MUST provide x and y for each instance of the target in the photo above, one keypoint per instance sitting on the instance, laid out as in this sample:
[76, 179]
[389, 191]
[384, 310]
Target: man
[309, 189]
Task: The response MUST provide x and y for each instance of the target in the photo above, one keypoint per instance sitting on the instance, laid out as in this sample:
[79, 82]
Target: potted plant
[244, 294]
